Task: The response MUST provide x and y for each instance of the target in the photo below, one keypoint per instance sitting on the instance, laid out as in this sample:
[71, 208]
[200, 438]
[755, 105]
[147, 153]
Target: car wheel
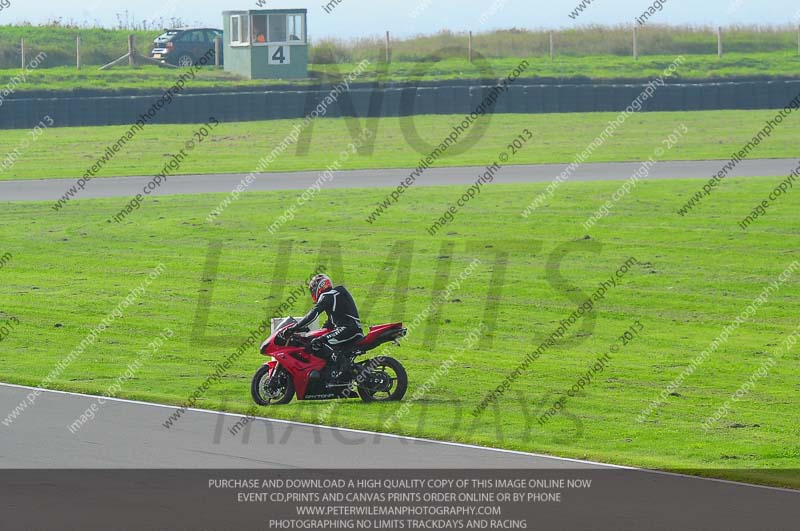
[186, 60]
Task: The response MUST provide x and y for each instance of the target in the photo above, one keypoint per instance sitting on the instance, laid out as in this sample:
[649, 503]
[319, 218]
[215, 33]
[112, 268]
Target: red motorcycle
[295, 369]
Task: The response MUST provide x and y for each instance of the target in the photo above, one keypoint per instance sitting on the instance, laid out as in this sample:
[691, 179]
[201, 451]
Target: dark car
[185, 47]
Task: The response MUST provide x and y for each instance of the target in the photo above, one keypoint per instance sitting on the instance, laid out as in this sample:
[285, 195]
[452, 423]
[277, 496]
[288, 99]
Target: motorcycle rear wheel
[282, 389]
[379, 384]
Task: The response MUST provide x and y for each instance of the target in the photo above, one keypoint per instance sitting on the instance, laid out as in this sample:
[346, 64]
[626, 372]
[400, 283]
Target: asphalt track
[125, 470]
[128, 434]
[53, 189]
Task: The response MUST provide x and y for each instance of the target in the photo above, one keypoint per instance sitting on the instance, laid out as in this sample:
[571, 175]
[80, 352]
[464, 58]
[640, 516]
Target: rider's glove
[286, 333]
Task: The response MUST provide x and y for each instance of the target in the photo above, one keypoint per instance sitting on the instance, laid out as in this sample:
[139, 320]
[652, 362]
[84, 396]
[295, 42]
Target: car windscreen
[164, 37]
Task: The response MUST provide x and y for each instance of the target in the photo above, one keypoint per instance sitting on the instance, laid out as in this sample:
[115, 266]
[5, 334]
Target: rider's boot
[341, 367]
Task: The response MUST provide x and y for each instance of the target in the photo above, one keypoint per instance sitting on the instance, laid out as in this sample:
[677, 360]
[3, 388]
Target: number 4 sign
[279, 55]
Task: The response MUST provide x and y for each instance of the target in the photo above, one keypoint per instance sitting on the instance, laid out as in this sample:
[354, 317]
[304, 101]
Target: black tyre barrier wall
[97, 93]
[20, 113]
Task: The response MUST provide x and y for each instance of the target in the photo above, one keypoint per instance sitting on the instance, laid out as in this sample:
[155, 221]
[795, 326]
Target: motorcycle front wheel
[271, 390]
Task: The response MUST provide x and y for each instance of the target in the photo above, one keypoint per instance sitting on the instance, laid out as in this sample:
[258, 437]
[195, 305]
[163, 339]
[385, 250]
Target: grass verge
[568, 69]
[237, 147]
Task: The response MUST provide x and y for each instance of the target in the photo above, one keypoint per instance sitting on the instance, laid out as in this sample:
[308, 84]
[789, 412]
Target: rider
[343, 319]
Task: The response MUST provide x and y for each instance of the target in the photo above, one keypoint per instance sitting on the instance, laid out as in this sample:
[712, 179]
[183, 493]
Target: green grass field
[695, 275]
[567, 68]
[237, 147]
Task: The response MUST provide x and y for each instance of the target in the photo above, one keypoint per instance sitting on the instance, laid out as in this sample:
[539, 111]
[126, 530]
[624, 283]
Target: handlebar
[296, 334]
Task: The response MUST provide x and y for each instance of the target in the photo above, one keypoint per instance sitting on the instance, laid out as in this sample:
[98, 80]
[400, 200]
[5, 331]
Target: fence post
[470, 47]
[388, 48]
[552, 47]
[22, 51]
[131, 51]
[78, 52]
[217, 50]
[635, 43]
[798, 40]
[719, 41]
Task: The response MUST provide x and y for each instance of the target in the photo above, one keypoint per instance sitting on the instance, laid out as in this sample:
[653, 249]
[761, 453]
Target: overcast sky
[354, 18]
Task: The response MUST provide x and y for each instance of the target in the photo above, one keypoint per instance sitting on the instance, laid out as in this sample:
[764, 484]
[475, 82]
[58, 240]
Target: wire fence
[91, 46]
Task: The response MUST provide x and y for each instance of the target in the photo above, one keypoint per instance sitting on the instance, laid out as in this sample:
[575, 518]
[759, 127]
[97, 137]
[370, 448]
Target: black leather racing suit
[343, 318]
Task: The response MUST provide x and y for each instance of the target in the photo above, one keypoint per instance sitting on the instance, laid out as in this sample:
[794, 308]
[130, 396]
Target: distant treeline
[101, 46]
